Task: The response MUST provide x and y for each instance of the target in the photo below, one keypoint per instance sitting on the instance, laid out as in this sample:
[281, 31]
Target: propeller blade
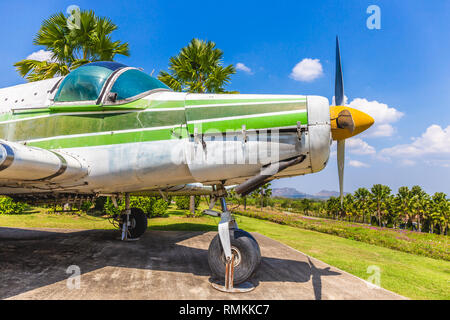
[341, 163]
[339, 82]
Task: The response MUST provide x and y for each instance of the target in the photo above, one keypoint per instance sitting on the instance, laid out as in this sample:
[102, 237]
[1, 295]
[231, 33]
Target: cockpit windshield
[134, 82]
[86, 82]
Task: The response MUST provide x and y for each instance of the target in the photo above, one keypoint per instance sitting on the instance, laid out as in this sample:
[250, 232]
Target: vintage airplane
[107, 129]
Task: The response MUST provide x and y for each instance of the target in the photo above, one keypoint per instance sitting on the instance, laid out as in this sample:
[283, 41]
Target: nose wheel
[232, 273]
[233, 254]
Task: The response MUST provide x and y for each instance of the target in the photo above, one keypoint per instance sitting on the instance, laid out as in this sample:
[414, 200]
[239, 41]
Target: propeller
[342, 119]
[345, 121]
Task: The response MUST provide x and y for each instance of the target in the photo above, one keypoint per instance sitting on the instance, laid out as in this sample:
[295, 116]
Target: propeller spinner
[346, 122]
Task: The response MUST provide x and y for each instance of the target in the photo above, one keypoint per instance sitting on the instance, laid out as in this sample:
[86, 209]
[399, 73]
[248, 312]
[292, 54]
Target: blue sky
[400, 73]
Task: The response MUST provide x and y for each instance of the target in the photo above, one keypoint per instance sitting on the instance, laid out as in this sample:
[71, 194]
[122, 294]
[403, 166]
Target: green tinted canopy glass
[133, 82]
[83, 84]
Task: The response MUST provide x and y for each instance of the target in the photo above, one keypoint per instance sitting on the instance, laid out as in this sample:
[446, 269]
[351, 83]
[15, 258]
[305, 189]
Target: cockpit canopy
[94, 81]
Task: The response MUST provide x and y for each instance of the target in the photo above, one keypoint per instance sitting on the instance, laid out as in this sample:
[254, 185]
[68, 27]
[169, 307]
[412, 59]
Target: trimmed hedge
[9, 206]
[152, 206]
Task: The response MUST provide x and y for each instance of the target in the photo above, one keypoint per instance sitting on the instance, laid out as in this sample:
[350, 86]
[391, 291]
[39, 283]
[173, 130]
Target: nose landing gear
[233, 254]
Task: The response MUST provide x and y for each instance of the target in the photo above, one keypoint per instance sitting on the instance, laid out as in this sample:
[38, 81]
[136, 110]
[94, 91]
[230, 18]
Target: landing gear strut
[132, 221]
[233, 254]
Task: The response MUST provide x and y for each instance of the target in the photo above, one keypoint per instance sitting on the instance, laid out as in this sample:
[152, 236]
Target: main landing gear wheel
[246, 256]
[137, 223]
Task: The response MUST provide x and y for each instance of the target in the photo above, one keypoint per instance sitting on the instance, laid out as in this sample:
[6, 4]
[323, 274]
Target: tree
[403, 202]
[262, 193]
[198, 68]
[286, 203]
[333, 206]
[440, 210]
[72, 45]
[306, 205]
[361, 198]
[421, 204]
[348, 205]
[392, 211]
[379, 193]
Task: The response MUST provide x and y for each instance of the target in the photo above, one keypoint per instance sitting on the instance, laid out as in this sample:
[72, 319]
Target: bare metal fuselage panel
[160, 142]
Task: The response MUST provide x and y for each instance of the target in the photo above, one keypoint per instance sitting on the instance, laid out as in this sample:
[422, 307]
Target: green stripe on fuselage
[202, 113]
[59, 125]
[253, 113]
[96, 125]
[105, 139]
[254, 123]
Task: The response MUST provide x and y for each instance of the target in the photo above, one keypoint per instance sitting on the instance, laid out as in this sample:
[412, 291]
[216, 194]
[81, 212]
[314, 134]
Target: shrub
[85, 206]
[159, 208]
[9, 206]
[151, 206]
[184, 202]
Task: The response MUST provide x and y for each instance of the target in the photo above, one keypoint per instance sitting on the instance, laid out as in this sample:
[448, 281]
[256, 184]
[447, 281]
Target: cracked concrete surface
[161, 265]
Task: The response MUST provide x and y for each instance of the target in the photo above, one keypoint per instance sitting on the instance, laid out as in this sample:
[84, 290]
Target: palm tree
[392, 211]
[440, 211]
[362, 197]
[198, 68]
[307, 205]
[403, 201]
[421, 204]
[379, 193]
[72, 47]
[349, 205]
[333, 206]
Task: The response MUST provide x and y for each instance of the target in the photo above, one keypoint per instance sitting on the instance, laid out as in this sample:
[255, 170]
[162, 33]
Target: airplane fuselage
[162, 140]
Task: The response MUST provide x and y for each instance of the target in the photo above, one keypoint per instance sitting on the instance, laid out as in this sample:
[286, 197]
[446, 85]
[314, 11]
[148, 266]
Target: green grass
[38, 218]
[425, 244]
[410, 275]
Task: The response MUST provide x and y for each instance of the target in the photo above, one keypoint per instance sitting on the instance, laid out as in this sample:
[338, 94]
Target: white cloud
[243, 67]
[433, 146]
[358, 164]
[438, 163]
[359, 146]
[41, 55]
[382, 130]
[307, 70]
[407, 162]
[333, 100]
[380, 112]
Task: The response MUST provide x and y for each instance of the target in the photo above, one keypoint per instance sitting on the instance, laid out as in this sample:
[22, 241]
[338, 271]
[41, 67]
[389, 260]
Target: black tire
[138, 221]
[247, 253]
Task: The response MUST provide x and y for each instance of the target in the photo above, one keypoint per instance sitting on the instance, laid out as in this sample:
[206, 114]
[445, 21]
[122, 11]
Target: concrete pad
[161, 265]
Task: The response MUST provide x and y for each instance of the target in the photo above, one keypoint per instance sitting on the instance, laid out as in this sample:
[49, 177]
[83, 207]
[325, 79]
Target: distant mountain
[326, 194]
[289, 193]
[293, 193]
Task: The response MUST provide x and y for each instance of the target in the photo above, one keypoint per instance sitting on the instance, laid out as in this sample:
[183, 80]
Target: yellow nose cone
[361, 121]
